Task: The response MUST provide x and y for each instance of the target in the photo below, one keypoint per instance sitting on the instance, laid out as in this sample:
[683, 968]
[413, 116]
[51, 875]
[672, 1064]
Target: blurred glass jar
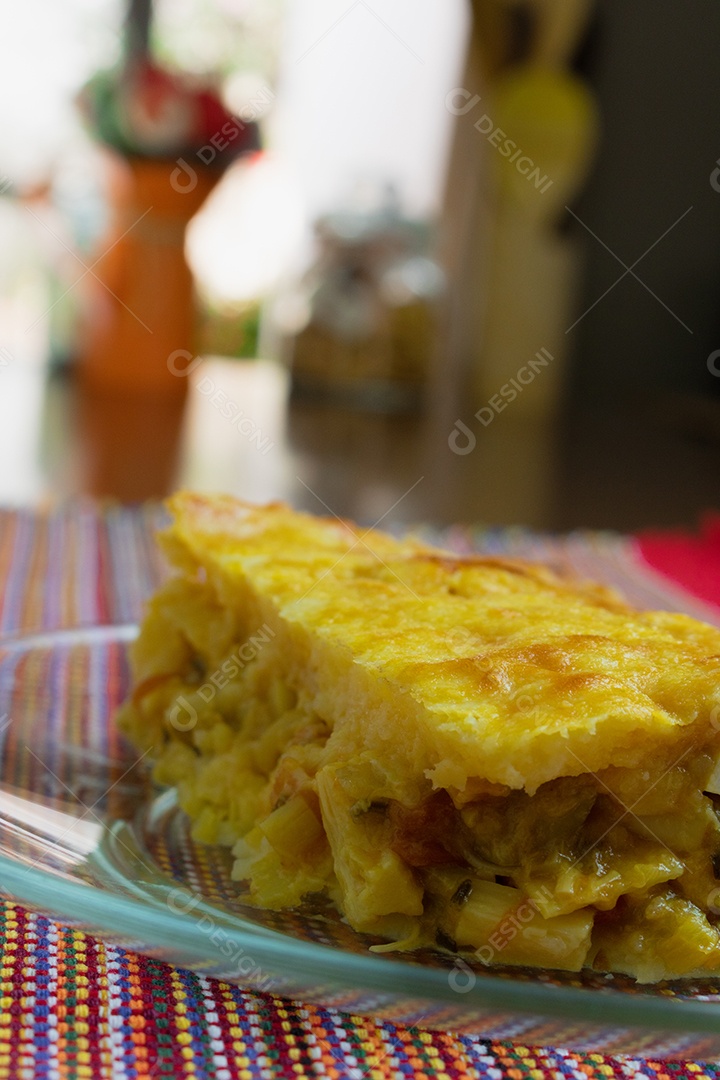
[367, 313]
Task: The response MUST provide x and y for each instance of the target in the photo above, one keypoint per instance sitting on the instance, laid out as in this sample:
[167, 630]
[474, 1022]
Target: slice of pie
[464, 752]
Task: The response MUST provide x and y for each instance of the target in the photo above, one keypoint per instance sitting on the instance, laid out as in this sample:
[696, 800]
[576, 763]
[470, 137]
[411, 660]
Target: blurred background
[425, 260]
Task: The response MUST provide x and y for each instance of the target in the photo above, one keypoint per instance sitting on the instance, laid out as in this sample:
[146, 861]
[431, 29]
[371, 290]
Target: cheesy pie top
[463, 670]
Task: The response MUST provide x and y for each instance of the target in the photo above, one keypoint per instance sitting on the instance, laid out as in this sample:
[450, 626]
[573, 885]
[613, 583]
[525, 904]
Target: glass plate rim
[381, 974]
[113, 916]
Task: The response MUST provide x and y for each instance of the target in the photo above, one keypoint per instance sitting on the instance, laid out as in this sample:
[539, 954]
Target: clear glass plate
[86, 839]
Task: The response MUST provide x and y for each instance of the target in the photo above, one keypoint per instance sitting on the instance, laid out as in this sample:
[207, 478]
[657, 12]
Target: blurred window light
[361, 96]
[221, 36]
[47, 51]
[245, 236]
[360, 106]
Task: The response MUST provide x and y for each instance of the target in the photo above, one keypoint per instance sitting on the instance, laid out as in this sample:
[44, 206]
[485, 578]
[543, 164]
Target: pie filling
[617, 870]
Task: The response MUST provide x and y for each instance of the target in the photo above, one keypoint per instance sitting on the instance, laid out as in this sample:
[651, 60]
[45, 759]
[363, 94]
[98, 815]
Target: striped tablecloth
[72, 1006]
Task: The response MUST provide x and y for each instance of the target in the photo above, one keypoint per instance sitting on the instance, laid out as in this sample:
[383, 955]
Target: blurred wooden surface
[624, 468]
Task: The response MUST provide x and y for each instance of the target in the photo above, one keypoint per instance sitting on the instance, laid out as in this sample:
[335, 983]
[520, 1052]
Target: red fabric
[690, 560]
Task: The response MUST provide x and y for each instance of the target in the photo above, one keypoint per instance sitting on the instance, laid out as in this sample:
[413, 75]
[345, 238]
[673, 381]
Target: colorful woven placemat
[72, 1006]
